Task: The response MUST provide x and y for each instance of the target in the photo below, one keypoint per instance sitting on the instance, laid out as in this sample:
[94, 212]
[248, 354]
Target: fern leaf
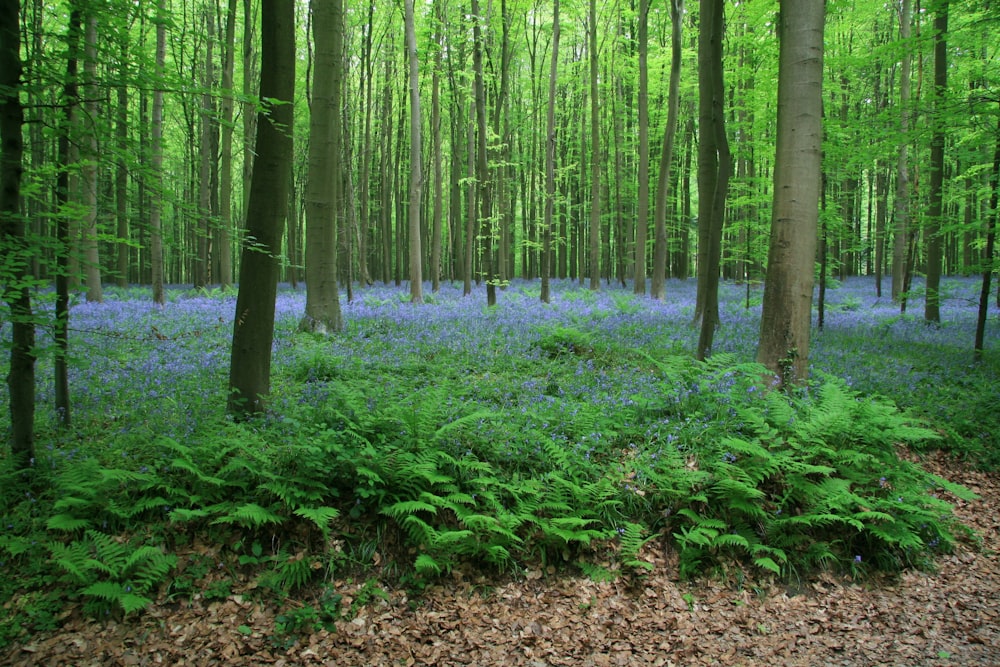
[426, 565]
[321, 516]
[766, 563]
[407, 507]
[249, 515]
[66, 523]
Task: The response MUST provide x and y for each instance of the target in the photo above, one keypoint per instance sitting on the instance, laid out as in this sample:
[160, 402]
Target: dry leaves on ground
[949, 617]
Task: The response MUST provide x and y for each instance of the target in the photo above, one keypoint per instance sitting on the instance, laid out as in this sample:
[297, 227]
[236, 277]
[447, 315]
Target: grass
[449, 434]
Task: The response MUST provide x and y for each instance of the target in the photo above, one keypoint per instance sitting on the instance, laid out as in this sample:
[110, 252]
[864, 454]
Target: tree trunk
[416, 168]
[657, 290]
[88, 170]
[932, 303]
[901, 232]
[482, 163]
[642, 218]
[714, 168]
[121, 178]
[225, 249]
[595, 156]
[203, 229]
[63, 270]
[787, 309]
[322, 294]
[550, 160]
[991, 229]
[17, 262]
[437, 214]
[253, 327]
[156, 159]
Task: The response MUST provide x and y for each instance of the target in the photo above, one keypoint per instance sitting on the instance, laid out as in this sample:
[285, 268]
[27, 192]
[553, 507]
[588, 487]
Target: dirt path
[951, 617]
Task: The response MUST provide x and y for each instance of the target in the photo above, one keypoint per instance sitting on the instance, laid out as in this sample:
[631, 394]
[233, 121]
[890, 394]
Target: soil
[947, 617]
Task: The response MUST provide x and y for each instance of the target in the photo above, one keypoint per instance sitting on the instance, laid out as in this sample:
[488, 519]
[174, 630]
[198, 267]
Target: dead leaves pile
[945, 618]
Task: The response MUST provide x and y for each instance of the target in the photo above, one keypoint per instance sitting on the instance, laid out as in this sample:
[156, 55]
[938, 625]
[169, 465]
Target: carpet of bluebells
[144, 371]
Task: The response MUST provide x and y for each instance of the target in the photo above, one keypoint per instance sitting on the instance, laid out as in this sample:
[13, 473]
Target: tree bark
[714, 169]
[787, 309]
[323, 314]
[253, 327]
[225, 249]
[416, 168]
[932, 303]
[88, 168]
[156, 158]
[595, 155]
[642, 216]
[482, 162]
[15, 266]
[901, 231]
[657, 288]
[550, 160]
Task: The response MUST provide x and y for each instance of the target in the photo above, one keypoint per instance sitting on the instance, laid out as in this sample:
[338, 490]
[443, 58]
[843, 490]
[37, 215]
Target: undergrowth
[578, 450]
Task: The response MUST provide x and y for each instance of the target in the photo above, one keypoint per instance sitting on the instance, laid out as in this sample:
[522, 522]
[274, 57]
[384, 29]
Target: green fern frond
[250, 515]
[118, 594]
[320, 516]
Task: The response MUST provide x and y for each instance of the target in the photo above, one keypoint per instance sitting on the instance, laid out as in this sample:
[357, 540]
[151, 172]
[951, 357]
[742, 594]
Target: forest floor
[947, 617]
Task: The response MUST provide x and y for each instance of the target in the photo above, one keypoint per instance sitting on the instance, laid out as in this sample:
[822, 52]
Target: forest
[328, 325]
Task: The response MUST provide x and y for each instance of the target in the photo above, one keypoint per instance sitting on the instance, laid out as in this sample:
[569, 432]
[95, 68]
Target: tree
[902, 228]
[595, 155]
[642, 221]
[482, 162]
[15, 266]
[156, 159]
[656, 289]
[550, 159]
[253, 325]
[322, 294]
[787, 309]
[714, 169]
[416, 257]
[89, 166]
[932, 303]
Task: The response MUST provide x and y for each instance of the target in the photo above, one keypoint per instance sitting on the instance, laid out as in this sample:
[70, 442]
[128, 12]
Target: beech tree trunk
[714, 169]
[932, 303]
[416, 168]
[15, 266]
[550, 160]
[788, 288]
[656, 289]
[901, 231]
[253, 326]
[156, 159]
[323, 313]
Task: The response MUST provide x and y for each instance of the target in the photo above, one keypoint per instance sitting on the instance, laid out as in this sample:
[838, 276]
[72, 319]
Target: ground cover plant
[429, 438]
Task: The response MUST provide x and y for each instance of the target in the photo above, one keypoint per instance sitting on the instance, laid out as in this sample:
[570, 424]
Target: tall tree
[15, 266]
[550, 160]
[416, 183]
[253, 326]
[788, 287]
[989, 256]
[902, 212]
[656, 289]
[225, 249]
[935, 242]
[156, 157]
[714, 169]
[203, 229]
[595, 154]
[482, 160]
[323, 313]
[642, 221]
[89, 166]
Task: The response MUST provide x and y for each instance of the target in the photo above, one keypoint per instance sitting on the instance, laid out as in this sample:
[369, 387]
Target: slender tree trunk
[482, 163]
[988, 258]
[15, 271]
[714, 169]
[901, 232]
[932, 304]
[787, 310]
[323, 313]
[438, 159]
[121, 177]
[225, 249]
[657, 288]
[88, 170]
[642, 221]
[550, 160]
[250, 91]
[416, 167]
[595, 155]
[253, 327]
[156, 159]
[65, 242]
